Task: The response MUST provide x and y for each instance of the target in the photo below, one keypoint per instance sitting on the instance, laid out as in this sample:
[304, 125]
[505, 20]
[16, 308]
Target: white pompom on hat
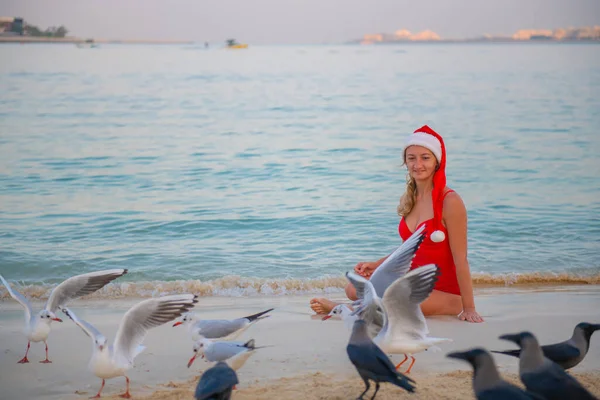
[431, 140]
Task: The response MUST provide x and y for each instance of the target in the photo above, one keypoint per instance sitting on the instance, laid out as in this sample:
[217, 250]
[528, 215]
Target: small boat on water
[88, 44]
[233, 44]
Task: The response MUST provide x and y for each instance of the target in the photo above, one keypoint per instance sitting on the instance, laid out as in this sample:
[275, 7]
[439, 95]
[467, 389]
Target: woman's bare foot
[322, 305]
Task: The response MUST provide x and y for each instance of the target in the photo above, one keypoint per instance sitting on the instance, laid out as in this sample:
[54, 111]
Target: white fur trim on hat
[426, 140]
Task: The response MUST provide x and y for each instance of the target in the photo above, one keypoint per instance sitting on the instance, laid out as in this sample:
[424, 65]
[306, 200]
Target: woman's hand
[365, 268]
[470, 315]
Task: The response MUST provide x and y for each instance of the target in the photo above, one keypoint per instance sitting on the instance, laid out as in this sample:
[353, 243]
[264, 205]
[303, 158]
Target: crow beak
[459, 355]
[511, 338]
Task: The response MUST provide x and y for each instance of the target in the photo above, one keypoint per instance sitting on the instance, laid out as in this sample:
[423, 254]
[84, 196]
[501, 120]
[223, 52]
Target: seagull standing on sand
[569, 353]
[223, 329]
[371, 363]
[216, 383]
[543, 376]
[111, 361]
[234, 353]
[37, 326]
[487, 383]
[404, 329]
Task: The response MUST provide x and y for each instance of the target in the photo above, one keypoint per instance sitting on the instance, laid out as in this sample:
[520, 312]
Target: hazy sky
[298, 21]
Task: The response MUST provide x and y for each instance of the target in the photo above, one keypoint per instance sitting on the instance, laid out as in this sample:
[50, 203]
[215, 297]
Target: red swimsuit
[434, 253]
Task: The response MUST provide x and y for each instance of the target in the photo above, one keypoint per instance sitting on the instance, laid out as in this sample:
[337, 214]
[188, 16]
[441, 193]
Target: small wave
[535, 278]
[238, 286]
[235, 286]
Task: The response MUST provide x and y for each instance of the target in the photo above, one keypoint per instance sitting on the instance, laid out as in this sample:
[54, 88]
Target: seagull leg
[24, 360]
[411, 364]
[376, 390]
[126, 395]
[46, 361]
[366, 390]
[403, 361]
[97, 396]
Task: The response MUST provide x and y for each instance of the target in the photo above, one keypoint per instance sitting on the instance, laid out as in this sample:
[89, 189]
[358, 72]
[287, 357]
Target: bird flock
[385, 320]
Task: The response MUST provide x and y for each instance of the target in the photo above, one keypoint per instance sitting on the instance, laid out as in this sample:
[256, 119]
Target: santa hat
[428, 138]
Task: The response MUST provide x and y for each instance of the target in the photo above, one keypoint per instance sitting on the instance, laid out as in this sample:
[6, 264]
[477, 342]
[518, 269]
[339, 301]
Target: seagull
[395, 266]
[371, 363]
[234, 353]
[543, 376]
[569, 353]
[487, 383]
[111, 361]
[223, 329]
[404, 329]
[216, 383]
[37, 326]
[343, 312]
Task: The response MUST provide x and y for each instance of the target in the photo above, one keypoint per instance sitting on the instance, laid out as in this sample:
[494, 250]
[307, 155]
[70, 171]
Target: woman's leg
[442, 303]
[323, 305]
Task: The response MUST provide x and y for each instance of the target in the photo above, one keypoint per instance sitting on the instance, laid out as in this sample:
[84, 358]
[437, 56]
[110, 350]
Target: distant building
[11, 26]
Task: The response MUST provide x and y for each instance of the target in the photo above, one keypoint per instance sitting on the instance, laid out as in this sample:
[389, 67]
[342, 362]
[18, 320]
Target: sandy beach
[306, 358]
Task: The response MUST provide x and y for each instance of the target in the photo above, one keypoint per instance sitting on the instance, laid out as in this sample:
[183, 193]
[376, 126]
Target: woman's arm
[364, 269]
[455, 219]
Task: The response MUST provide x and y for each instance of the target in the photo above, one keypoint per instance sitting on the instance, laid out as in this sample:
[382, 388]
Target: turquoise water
[284, 162]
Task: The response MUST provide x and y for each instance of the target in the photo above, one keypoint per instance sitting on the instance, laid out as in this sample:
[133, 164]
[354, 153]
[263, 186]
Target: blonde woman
[428, 201]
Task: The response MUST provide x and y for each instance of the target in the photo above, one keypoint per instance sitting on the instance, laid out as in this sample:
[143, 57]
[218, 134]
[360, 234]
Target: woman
[429, 201]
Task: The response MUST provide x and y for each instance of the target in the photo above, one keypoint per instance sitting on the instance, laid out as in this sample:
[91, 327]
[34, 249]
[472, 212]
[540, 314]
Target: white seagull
[223, 329]
[234, 354]
[111, 361]
[37, 326]
[404, 328]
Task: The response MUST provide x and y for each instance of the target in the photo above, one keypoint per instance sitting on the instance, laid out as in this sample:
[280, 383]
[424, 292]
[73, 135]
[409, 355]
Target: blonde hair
[409, 198]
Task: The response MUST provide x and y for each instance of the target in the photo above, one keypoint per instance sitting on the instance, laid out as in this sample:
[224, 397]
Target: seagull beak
[177, 323]
[325, 318]
[191, 361]
[57, 319]
[101, 347]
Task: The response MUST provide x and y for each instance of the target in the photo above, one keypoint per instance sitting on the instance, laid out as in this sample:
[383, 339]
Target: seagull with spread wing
[404, 328]
[111, 361]
[37, 325]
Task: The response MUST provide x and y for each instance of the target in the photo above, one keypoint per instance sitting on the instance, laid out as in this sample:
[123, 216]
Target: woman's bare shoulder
[453, 201]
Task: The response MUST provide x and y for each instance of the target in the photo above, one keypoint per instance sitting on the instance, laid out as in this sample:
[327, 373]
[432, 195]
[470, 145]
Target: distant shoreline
[476, 41]
[71, 40]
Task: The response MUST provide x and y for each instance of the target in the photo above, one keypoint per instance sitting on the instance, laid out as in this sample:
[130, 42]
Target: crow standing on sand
[372, 363]
[543, 376]
[569, 353]
[487, 383]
